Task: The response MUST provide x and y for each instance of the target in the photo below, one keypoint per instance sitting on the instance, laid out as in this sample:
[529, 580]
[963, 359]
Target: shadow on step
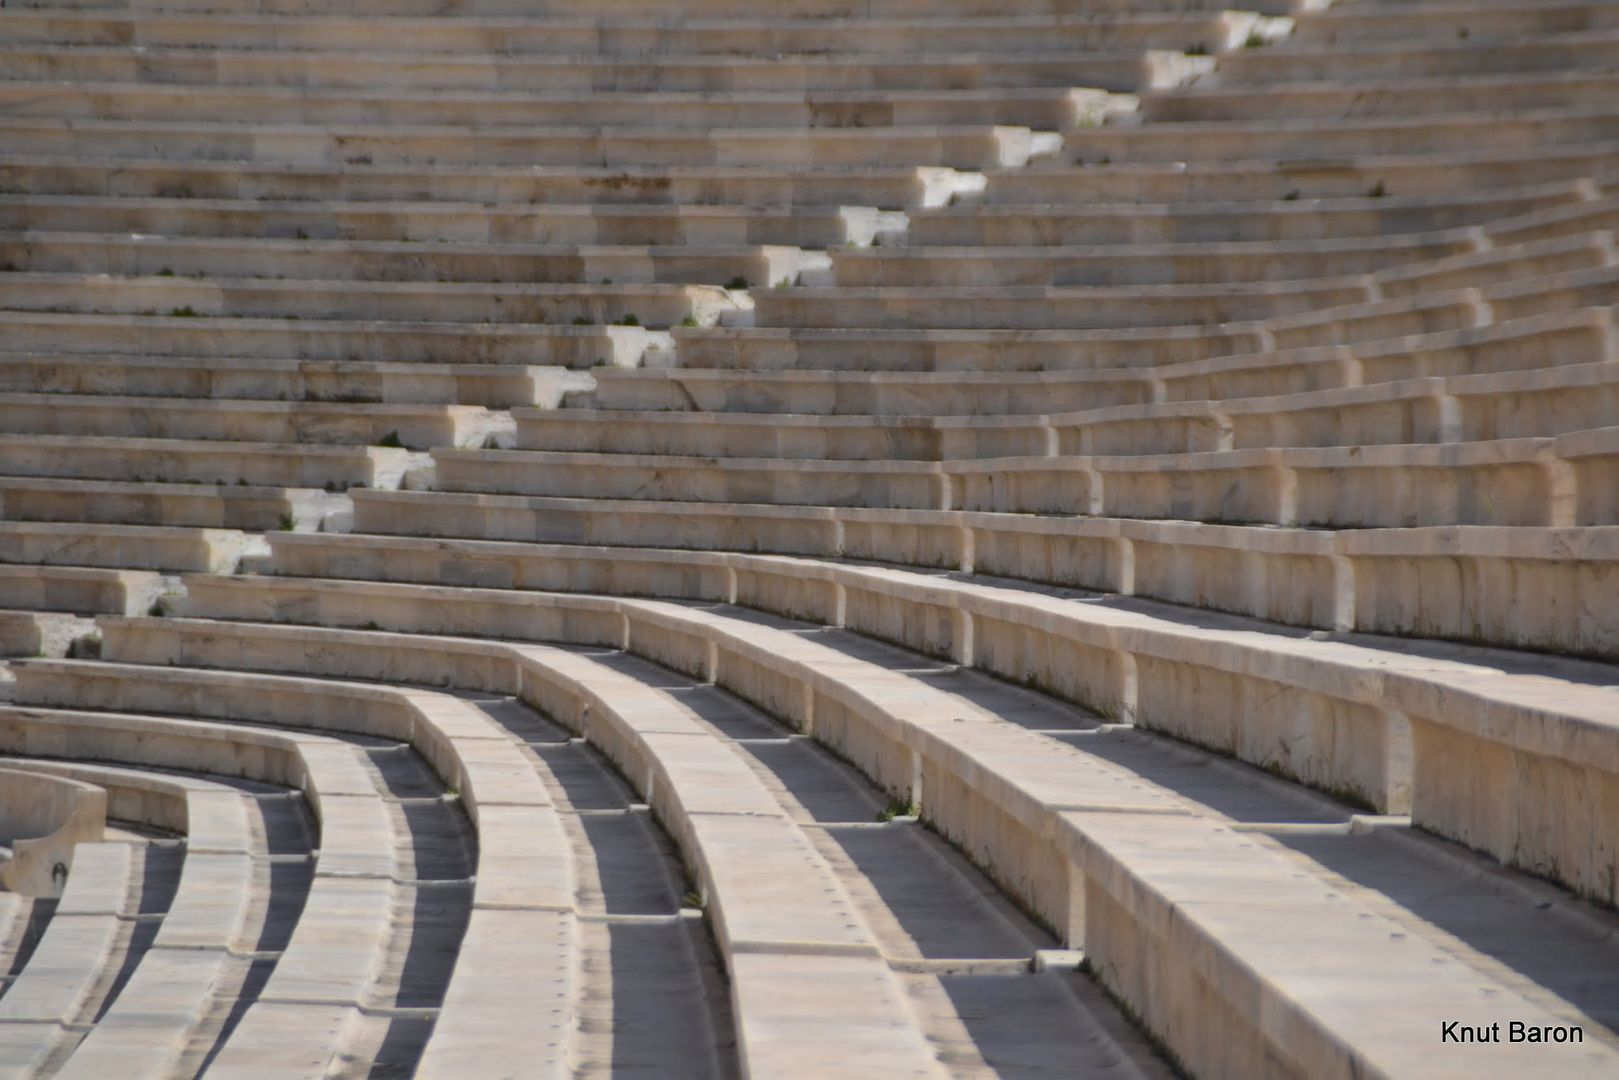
[1559, 944]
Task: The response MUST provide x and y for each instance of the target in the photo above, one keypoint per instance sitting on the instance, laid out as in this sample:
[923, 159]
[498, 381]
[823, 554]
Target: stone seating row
[463, 222]
[1003, 266]
[1315, 138]
[195, 505]
[1560, 207]
[1194, 350]
[526, 960]
[274, 379]
[1445, 21]
[724, 35]
[711, 454]
[345, 931]
[1393, 265]
[82, 591]
[1078, 307]
[252, 467]
[1299, 312]
[888, 384]
[1306, 59]
[1511, 482]
[212, 815]
[1047, 108]
[1342, 705]
[899, 734]
[1323, 311]
[1372, 95]
[185, 972]
[1118, 70]
[236, 421]
[1576, 337]
[1232, 221]
[636, 9]
[380, 260]
[1508, 481]
[1541, 402]
[1320, 312]
[123, 546]
[1449, 582]
[1481, 165]
[353, 340]
[523, 879]
[801, 186]
[409, 301]
[953, 146]
[61, 985]
[792, 925]
[1492, 405]
[786, 928]
[42, 820]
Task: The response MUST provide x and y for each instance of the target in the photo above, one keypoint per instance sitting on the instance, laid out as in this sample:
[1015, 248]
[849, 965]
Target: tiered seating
[356, 928]
[545, 480]
[994, 763]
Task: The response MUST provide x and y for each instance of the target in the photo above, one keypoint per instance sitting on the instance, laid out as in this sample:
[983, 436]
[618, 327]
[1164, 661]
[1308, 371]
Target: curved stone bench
[182, 976]
[456, 740]
[1539, 341]
[1323, 712]
[1371, 326]
[1510, 482]
[523, 876]
[1448, 309]
[1300, 576]
[1552, 340]
[848, 707]
[1518, 482]
[42, 820]
[783, 928]
[343, 934]
[1321, 312]
[1545, 401]
[60, 980]
[807, 976]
